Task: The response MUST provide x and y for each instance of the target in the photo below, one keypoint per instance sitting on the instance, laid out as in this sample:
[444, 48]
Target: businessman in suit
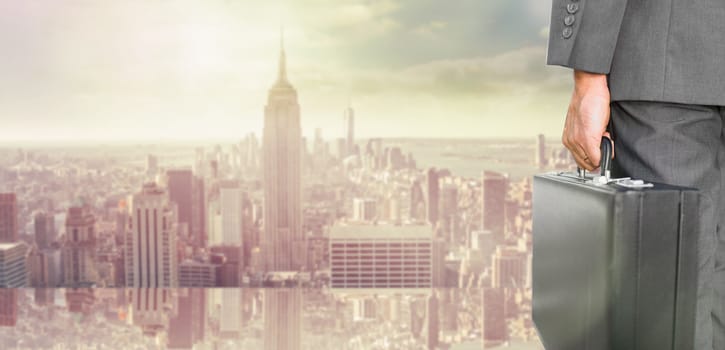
[657, 67]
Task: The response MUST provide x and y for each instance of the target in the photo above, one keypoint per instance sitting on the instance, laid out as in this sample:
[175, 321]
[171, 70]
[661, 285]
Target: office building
[231, 211]
[493, 323]
[364, 210]
[45, 267]
[493, 202]
[78, 251]
[508, 268]
[282, 319]
[13, 266]
[151, 309]
[44, 225]
[193, 273]
[180, 188]
[381, 256]
[8, 218]
[432, 196]
[8, 307]
[230, 321]
[188, 326]
[150, 260]
[80, 300]
[433, 321]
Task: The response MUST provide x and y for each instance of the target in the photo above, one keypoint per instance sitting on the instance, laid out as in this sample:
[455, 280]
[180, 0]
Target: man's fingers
[588, 155]
[580, 156]
[581, 162]
[593, 153]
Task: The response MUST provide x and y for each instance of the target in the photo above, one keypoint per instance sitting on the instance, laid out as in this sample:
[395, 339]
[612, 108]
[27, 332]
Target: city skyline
[200, 73]
[271, 242]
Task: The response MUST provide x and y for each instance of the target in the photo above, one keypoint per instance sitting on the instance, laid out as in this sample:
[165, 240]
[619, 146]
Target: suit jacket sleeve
[583, 33]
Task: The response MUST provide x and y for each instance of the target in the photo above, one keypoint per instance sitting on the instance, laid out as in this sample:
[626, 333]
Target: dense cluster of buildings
[146, 242]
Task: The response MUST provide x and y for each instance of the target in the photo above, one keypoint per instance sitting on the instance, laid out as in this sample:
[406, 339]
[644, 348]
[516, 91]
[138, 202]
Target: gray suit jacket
[653, 50]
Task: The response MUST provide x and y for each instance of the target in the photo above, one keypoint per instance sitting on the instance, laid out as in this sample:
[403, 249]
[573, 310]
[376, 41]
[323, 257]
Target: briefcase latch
[624, 182]
[630, 183]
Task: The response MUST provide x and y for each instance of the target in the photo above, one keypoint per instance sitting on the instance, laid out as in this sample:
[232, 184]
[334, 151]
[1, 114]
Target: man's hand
[587, 118]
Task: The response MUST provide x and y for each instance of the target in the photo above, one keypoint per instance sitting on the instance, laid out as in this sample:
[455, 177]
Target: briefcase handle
[605, 161]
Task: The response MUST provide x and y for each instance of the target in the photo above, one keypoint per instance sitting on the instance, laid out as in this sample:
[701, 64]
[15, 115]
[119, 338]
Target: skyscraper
[448, 210]
[152, 165]
[283, 242]
[282, 319]
[151, 242]
[230, 322]
[493, 203]
[79, 248]
[8, 307]
[283, 239]
[540, 155]
[187, 326]
[44, 224]
[180, 184]
[417, 202]
[349, 117]
[508, 268]
[493, 322]
[433, 320]
[13, 267]
[432, 194]
[197, 230]
[151, 309]
[231, 208]
[8, 218]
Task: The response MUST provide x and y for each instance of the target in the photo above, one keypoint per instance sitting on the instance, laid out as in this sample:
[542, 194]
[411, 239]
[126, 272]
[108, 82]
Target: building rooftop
[6, 246]
[370, 231]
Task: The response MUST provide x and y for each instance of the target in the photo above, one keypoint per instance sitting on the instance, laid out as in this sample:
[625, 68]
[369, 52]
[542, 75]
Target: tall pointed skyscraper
[283, 239]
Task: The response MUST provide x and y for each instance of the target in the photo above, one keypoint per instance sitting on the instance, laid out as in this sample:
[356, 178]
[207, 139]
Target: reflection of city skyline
[367, 319]
[281, 213]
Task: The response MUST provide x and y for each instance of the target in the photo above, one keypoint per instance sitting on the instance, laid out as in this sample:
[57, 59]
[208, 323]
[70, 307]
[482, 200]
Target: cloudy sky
[183, 69]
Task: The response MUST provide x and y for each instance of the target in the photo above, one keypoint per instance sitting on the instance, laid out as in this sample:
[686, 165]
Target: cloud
[431, 29]
[106, 67]
[514, 72]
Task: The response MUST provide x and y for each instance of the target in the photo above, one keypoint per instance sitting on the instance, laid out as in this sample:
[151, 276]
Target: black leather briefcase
[614, 263]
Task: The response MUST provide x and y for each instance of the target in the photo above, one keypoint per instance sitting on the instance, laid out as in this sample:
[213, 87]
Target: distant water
[468, 158]
[463, 157]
